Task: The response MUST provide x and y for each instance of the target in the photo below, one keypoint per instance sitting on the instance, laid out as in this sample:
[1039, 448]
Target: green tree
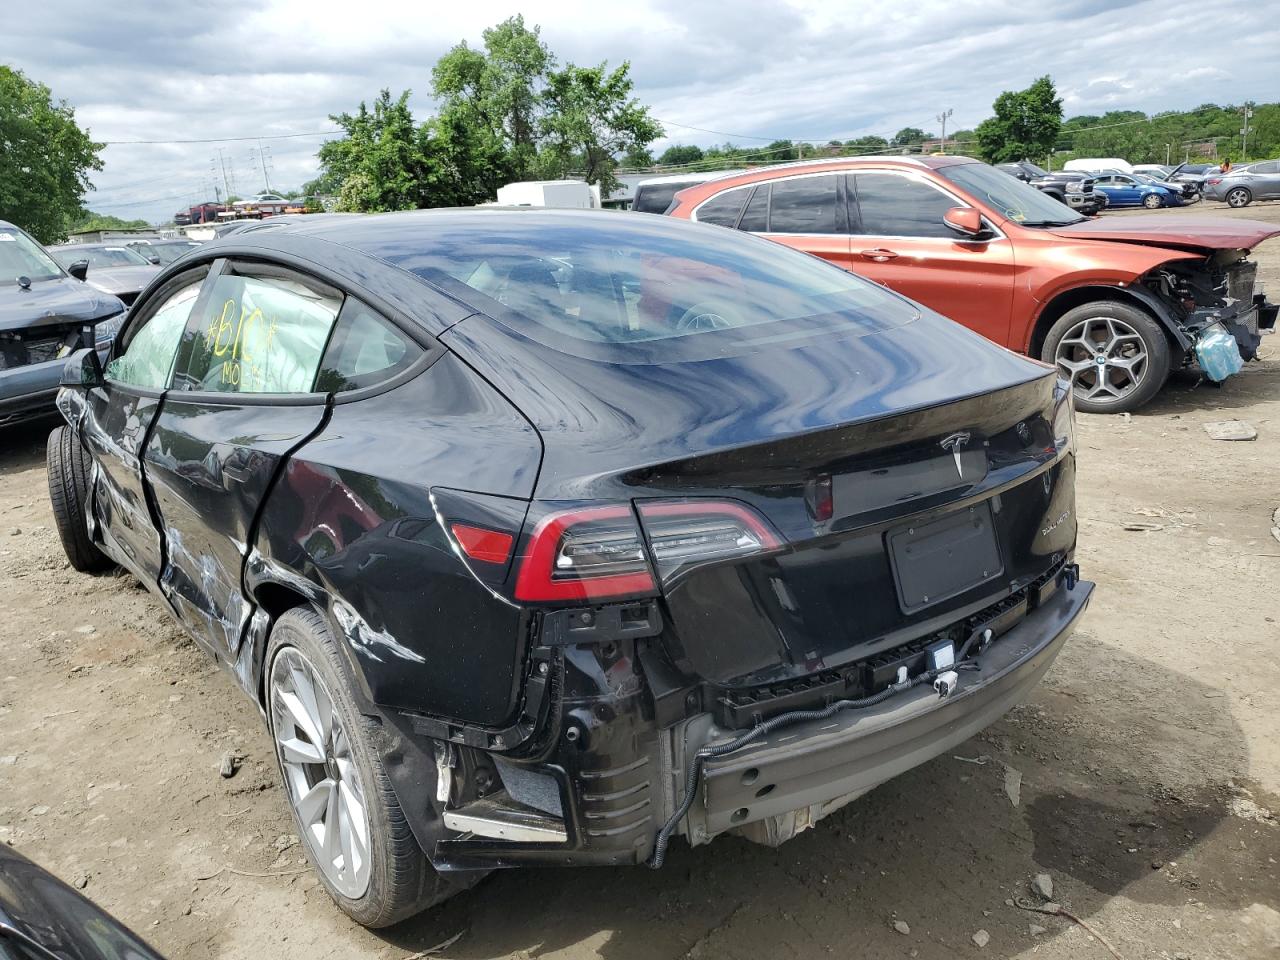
[638, 156]
[590, 118]
[1026, 123]
[89, 222]
[382, 162]
[679, 153]
[45, 158]
[780, 151]
[866, 144]
[909, 136]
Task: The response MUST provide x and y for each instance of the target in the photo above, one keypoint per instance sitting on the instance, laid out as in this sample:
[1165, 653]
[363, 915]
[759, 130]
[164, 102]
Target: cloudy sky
[747, 70]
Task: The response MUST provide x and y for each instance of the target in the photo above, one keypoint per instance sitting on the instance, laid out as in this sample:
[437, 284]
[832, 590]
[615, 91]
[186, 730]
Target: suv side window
[150, 347]
[723, 208]
[891, 205]
[257, 334]
[805, 205]
[365, 349]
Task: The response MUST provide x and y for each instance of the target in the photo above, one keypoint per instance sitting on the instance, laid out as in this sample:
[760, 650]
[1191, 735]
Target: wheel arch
[1066, 300]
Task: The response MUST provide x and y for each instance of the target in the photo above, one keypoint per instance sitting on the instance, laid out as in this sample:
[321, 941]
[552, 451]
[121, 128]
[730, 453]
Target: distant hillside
[1207, 132]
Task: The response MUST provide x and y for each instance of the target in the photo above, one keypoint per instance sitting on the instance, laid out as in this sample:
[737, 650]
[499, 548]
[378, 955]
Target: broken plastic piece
[1218, 353]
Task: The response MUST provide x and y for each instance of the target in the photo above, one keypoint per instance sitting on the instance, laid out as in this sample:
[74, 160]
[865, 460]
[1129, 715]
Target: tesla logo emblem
[955, 443]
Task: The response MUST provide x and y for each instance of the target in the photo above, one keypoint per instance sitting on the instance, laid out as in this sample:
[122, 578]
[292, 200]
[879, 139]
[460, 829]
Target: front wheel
[1239, 197]
[68, 468]
[1153, 201]
[353, 829]
[1116, 355]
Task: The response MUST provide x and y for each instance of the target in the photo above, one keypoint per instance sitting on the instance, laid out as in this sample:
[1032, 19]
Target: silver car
[112, 268]
[1245, 184]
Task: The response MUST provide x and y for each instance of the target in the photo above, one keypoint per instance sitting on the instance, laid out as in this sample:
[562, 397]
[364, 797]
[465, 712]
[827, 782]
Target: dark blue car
[1123, 190]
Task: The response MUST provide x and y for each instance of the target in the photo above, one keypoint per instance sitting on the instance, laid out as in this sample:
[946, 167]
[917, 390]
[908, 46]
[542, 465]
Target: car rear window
[656, 197]
[615, 280]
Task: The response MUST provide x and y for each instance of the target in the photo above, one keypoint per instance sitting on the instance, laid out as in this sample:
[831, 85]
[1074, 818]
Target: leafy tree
[382, 163]
[865, 144]
[90, 222]
[638, 156]
[45, 158]
[780, 151]
[909, 136]
[1026, 123]
[679, 153]
[590, 118]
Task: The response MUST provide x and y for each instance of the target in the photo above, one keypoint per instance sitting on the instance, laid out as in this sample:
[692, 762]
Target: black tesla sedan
[542, 537]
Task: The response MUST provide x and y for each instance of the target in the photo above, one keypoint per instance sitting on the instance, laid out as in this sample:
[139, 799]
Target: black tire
[1154, 341]
[68, 468]
[1153, 201]
[402, 881]
[1239, 197]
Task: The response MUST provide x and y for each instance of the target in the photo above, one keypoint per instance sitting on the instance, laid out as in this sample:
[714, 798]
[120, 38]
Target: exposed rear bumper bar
[817, 767]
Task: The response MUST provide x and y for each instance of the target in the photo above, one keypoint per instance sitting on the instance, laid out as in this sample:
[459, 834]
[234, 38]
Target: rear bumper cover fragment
[838, 759]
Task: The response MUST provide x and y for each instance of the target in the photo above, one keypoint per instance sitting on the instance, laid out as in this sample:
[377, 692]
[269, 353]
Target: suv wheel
[68, 468]
[1239, 197]
[352, 827]
[1153, 201]
[1116, 355]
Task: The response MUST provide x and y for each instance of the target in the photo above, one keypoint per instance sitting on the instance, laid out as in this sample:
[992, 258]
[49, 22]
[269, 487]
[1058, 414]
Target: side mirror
[83, 370]
[79, 269]
[152, 258]
[965, 220]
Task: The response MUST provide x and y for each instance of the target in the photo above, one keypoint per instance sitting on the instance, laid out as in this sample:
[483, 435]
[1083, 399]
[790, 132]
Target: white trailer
[574, 194]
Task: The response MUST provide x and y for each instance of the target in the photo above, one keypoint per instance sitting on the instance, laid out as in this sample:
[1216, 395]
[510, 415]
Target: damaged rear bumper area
[611, 786]
[785, 782]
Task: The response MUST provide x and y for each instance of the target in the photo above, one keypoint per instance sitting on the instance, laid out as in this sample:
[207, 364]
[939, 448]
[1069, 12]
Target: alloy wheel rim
[1236, 198]
[319, 773]
[1105, 358]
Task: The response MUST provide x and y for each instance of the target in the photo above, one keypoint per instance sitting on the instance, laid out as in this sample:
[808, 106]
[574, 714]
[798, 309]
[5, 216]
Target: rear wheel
[1116, 355]
[353, 829]
[1239, 197]
[68, 467]
[1153, 201]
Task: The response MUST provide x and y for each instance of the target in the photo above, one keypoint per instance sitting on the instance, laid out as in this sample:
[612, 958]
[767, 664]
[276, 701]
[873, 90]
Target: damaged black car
[549, 537]
[46, 313]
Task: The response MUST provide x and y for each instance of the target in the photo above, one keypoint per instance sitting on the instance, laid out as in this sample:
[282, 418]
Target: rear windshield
[617, 279]
[656, 197]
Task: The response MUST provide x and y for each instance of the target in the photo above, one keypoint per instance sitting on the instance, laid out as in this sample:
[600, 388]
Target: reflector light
[688, 533]
[487, 546]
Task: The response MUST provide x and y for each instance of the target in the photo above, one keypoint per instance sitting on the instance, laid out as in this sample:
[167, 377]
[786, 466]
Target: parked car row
[1073, 189]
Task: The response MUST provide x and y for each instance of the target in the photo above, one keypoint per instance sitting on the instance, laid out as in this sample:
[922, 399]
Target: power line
[276, 136]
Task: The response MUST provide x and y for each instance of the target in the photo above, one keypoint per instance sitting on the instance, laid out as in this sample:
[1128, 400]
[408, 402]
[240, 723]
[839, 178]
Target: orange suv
[1116, 303]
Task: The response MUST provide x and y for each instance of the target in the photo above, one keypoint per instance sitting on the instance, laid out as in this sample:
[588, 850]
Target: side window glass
[256, 335]
[804, 205]
[148, 358]
[364, 350]
[755, 218]
[723, 208]
[894, 206]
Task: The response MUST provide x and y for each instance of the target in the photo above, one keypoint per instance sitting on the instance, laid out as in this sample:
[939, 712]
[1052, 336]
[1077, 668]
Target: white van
[574, 194]
[1094, 164]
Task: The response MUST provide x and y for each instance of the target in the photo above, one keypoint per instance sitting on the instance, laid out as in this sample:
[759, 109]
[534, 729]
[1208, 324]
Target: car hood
[122, 279]
[54, 301]
[1181, 233]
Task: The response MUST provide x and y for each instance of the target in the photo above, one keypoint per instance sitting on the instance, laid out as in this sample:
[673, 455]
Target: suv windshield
[646, 287]
[1009, 197]
[20, 256]
[100, 256]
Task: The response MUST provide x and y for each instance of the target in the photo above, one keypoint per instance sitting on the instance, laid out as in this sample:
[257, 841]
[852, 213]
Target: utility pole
[262, 159]
[226, 180]
[1247, 110]
[1168, 148]
[942, 119]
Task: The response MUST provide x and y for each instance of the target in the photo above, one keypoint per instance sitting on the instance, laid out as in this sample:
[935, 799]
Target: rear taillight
[687, 533]
[588, 554]
[1213, 181]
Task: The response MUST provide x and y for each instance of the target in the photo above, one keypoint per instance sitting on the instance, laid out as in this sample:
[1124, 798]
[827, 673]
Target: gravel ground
[1140, 777]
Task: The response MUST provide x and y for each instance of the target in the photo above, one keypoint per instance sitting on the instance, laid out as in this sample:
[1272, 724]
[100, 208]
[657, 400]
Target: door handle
[879, 255]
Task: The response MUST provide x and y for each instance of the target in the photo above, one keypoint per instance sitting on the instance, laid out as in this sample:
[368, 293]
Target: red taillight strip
[740, 512]
[534, 582]
[487, 546]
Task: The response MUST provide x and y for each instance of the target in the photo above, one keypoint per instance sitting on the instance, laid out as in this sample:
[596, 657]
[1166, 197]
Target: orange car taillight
[594, 553]
[684, 534]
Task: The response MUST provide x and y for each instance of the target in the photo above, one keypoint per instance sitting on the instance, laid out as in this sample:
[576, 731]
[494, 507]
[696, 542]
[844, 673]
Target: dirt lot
[1141, 776]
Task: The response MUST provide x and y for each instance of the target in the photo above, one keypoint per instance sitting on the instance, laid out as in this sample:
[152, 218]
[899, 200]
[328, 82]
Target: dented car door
[241, 401]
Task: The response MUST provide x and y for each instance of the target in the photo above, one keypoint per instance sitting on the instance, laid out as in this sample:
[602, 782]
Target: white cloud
[752, 68]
